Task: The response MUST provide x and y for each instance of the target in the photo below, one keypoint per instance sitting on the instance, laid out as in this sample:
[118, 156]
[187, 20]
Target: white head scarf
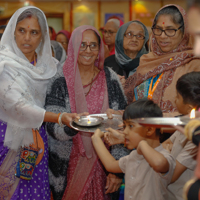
[22, 85]
[59, 52]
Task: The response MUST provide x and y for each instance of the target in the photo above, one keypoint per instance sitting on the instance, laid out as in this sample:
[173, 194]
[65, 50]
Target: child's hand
[113, 183]
[98, 133]
[139, 151]
[113, 137]
[168, 145]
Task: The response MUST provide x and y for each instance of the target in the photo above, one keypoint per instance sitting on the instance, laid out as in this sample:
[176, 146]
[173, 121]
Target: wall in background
[94, 13]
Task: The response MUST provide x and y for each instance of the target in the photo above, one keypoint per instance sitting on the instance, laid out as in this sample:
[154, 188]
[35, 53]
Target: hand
[110, 112]
[179, 128]
[113, 183]
[122, 80]
[139, 151]
[68, 117]
[98, 133]
[83, 114]
[113, 137]
[168, 145]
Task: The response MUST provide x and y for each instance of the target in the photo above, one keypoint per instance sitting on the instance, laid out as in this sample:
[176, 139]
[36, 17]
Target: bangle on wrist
[60, 120]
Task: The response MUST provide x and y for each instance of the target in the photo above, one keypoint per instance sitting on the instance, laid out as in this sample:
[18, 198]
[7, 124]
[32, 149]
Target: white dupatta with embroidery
[23, 86]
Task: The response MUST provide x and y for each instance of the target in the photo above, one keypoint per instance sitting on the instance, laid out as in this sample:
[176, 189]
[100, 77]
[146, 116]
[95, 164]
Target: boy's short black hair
[143, 108]
[188, 86]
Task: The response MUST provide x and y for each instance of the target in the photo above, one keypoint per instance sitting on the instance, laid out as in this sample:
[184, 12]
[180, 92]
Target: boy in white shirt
[149, 169]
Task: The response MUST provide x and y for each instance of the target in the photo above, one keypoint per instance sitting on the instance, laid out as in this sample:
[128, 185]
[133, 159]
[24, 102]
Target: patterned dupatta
[95, 102]
[157, 62]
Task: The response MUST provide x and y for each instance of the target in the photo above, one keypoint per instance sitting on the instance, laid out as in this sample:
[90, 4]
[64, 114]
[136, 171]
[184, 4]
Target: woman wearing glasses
[171, 57]
[130, 44]
[84, 85]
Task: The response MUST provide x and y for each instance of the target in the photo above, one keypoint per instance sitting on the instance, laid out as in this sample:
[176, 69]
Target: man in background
[109, 33]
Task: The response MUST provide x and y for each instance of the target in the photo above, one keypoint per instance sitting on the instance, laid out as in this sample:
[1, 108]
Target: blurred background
[69, 14]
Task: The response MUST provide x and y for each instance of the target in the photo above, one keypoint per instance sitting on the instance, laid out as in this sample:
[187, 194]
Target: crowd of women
[48, 80]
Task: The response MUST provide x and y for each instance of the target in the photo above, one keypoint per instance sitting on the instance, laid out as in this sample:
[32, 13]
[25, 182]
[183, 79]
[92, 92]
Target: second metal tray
[163, 121]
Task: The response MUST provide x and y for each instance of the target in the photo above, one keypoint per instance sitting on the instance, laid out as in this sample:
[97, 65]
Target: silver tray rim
[163, 121]
[103, 115]
[90, 125]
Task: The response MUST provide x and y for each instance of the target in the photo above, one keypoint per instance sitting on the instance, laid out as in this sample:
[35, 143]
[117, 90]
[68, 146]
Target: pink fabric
[86, 177]
[66, 33]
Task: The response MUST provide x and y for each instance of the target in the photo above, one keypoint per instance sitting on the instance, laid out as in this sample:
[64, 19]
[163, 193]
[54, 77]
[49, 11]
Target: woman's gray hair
[32, 12]
[115, 21]
[138, 24]
[175, 16]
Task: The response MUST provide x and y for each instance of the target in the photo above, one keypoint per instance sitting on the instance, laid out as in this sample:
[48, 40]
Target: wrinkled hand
[113, 137]
[113, 183]
[122, 80]
[68, 117]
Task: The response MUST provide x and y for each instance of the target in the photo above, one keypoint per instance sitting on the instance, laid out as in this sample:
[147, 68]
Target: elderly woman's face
[87, 57]
[134, 44]
[28, 35]
[165, 42]
[63, 40]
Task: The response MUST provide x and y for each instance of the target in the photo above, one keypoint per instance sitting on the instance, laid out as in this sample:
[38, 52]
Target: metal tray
[106, 123]
[163, 121]
[88, 121]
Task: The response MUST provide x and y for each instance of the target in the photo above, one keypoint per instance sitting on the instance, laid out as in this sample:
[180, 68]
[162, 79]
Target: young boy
[149, 169]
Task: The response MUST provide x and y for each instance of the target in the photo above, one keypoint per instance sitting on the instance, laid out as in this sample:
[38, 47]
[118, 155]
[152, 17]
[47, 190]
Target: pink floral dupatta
[172, 64]
[96, 102]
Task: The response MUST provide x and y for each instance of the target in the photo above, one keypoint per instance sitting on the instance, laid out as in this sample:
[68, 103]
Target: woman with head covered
[130, 42]
[63, 37]
[25, 69]
[171, 57]
[58, 52]
[84, 85]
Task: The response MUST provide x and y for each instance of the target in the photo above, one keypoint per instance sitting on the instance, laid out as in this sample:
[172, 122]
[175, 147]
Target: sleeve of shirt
[172, 165]
[123, 163]
[173, 137]
[187, 156]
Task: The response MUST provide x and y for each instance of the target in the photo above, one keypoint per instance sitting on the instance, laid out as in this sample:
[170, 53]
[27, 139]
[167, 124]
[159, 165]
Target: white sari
[23, 86]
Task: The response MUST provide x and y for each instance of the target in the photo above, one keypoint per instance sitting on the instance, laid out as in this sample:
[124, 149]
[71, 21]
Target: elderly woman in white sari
[26, 65]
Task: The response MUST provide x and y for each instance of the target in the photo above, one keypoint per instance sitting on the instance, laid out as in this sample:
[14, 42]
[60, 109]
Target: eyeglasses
[93, 46]
[130, 35]
[108, 32]
[168, 32]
